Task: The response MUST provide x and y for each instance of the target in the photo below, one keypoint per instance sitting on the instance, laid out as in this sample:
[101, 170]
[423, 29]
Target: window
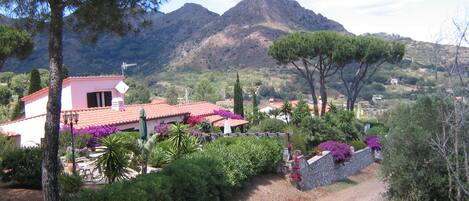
[99, 99]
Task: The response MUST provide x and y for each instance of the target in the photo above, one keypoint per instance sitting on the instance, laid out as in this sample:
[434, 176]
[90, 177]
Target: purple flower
[195, 132]
[340, 151]
[227, 114]
[162, 129]
[373, 142]
[98, 132]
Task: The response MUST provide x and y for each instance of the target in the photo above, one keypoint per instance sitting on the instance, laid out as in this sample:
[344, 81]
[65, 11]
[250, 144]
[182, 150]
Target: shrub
[300, 112]
[69, 184]
[7, 145]
[357, 145]
[22, 167]
[269, 125]
[65, 140]
[318, 130]
[163, 129]
[113, 162]
[227, 114]
[212, 174]
[340, 151]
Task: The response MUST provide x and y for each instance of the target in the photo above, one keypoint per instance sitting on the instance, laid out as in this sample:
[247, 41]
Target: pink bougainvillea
[227, 114]
[340, 151]
[194, 120]
[96, 132]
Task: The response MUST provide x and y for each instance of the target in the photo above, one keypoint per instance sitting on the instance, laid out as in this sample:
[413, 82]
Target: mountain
[190, 37]
[194, 38]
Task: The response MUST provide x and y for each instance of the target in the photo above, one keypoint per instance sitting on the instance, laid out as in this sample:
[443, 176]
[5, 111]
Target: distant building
[394, 81]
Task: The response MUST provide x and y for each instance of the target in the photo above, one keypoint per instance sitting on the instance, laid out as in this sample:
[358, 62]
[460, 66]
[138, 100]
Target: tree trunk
[314, 97]
[50, 166]
[322, 91]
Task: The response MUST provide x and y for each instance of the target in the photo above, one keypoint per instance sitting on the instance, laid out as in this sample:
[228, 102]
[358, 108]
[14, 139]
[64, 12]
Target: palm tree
[181, 142]
[274, 112]
[286, 109]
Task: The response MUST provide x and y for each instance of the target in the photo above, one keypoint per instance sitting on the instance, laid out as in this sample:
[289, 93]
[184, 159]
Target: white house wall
[38, 106]
[30, 130]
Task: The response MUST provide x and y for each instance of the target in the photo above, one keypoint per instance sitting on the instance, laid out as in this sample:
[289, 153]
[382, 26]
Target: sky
[424, 20]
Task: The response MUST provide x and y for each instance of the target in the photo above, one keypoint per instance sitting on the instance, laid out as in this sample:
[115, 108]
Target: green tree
[16, 112]
[286, 110]
[300, 112]
[238, 97]
[204, 91]
[362, 57]
[91, 18]
[172, 96]
[411, 166]
[274, 113]
[34, 81]
[14, 43]
[5, 95]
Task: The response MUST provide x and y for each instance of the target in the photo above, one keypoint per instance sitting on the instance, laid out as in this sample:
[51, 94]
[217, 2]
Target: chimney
[118, 104]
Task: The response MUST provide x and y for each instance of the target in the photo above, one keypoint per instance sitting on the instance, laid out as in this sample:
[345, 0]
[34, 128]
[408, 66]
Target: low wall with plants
[324, 170]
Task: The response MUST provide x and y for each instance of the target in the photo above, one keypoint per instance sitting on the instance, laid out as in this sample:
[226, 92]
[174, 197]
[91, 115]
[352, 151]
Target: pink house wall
[73, 95]
[81, 87]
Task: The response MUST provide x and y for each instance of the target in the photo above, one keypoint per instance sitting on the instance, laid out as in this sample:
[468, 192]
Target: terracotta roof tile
[233, 122]
[130, 114]
[199, 108]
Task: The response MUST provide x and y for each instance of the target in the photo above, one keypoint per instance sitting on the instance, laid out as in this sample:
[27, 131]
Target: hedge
[211, 174]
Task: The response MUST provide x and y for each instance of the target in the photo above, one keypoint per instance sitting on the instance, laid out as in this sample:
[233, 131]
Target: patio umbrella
[227, 127]
[143, 126]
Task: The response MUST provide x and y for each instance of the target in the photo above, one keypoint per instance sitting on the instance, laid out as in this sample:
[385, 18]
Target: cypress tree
[255, 107]
[238, 98]
[34, 81]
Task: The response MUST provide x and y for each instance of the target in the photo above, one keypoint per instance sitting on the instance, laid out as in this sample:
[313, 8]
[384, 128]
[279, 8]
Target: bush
[269, 125]
[357, 145]
[113, 162]
[157, 155]
[7, 145]
[318, 130]
[22, 167]
[212, 174]
[69, 184]
[65, 140]
[340, 151]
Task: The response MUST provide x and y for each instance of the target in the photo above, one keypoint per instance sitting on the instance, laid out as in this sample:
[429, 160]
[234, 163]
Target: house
[78, 93]
[99, 101]
[394, 81]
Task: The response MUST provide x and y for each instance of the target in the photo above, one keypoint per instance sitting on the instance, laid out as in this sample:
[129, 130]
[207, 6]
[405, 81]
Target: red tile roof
[233, 122]
[67, 81]
[108, 116]
[199, 108]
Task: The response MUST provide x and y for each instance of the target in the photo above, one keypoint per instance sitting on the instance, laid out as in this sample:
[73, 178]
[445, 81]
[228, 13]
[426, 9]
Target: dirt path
[364, 186]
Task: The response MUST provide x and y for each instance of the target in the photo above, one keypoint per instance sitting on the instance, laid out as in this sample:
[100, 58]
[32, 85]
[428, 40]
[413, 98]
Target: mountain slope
[241, 36]
[190, 37]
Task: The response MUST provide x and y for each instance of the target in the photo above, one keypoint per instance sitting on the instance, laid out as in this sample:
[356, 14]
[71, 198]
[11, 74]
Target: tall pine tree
[34, 81]
[238, 98]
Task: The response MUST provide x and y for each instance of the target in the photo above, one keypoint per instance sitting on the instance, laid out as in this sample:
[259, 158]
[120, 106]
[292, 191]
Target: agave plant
[113, 159]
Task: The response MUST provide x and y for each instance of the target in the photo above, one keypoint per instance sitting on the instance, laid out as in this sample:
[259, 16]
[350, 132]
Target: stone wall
[322, 170]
